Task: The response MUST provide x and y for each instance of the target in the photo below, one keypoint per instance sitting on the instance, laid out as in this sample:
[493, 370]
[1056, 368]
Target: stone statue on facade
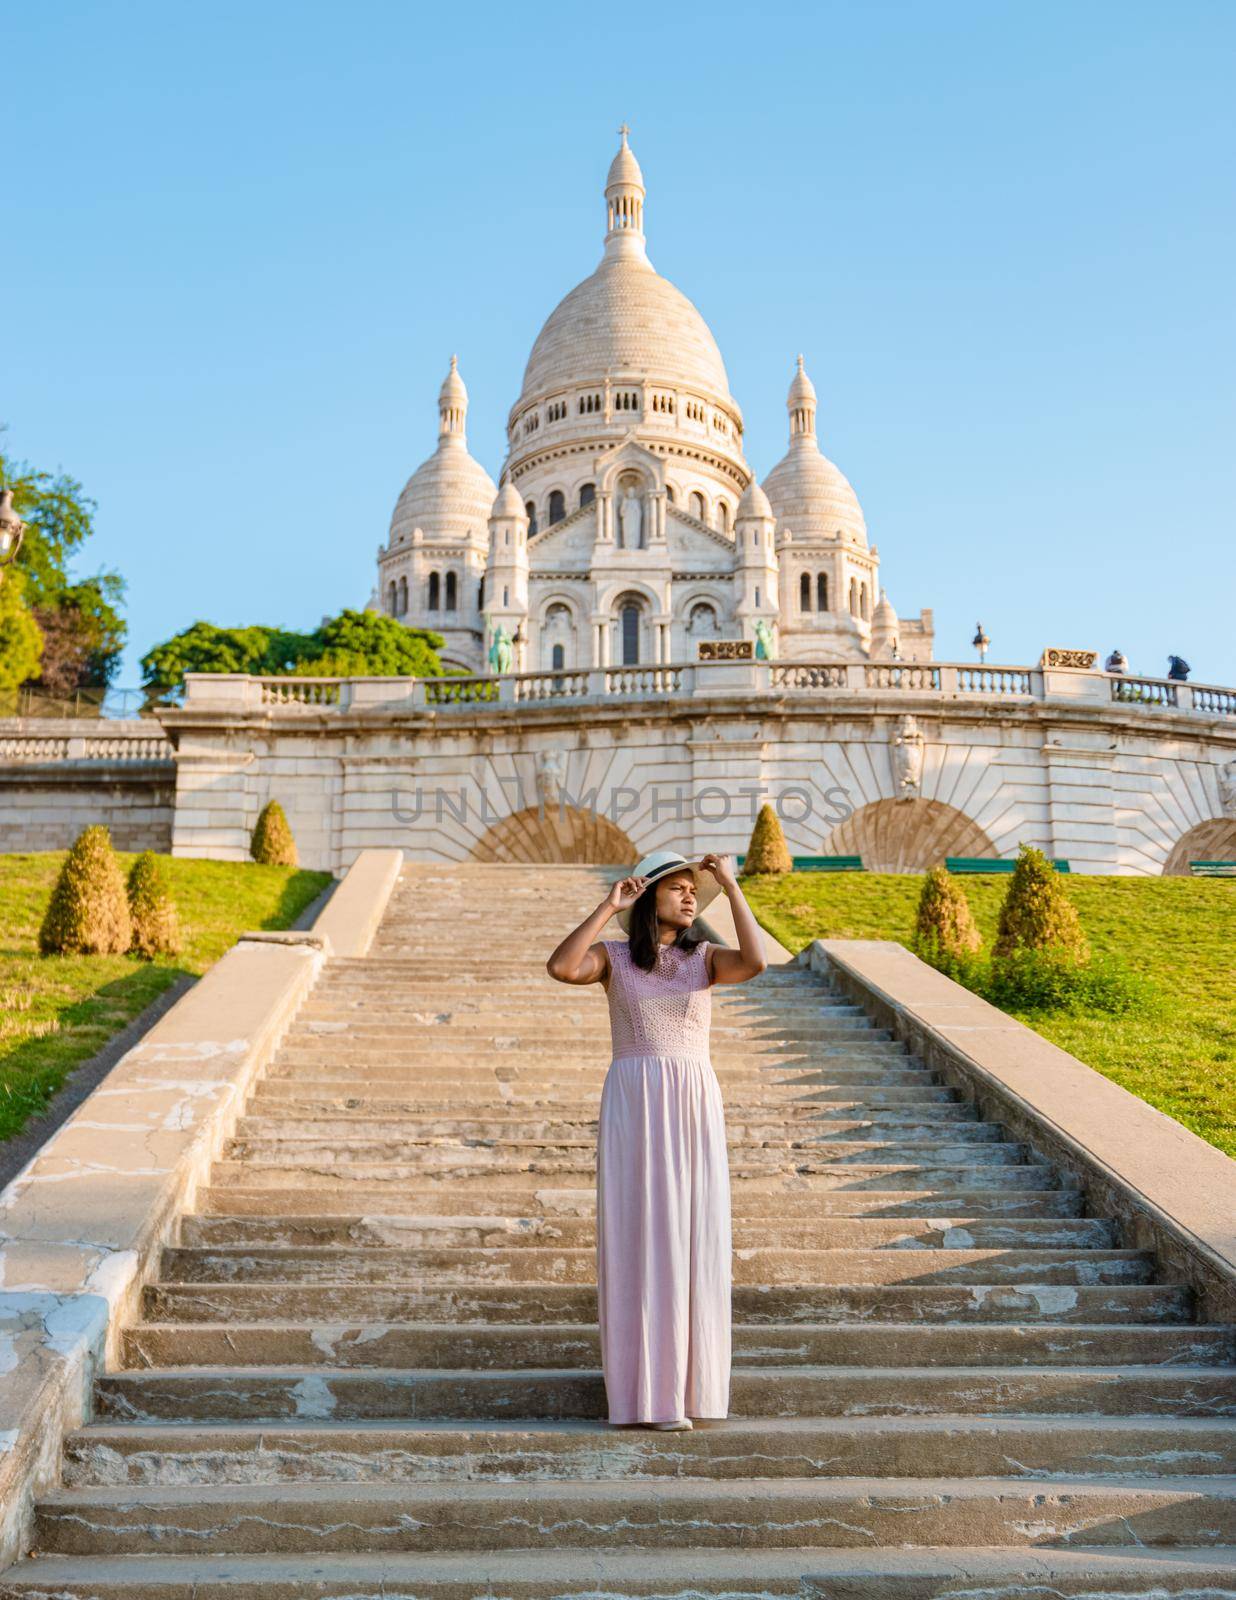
[550, 776]
[501, 650]
[1227, 788]
[631, 519]
[764, 649]
[907, 752]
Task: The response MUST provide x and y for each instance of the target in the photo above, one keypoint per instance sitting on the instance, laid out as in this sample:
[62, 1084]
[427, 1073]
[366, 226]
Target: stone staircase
[370, 1366]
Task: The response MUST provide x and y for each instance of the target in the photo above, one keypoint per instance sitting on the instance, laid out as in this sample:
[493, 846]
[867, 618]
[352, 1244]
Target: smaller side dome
[754, 503]
[508, 503]
[884, 615]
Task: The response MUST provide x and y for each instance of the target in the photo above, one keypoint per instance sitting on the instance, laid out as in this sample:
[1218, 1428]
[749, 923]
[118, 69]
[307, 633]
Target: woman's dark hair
[642, 941]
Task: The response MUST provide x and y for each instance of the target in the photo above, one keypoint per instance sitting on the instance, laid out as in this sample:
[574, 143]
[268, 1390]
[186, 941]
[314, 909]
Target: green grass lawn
[1179, 1054]
[56, 1011]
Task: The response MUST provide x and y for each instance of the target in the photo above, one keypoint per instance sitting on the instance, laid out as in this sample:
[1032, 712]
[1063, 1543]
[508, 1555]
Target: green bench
[960, 864]
[821, 863]
[1213, 869]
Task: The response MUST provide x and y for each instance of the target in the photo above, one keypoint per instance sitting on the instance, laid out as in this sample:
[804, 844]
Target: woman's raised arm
[579, 959]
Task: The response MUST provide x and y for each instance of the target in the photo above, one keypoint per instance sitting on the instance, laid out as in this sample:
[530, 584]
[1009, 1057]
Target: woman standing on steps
[663, 1181]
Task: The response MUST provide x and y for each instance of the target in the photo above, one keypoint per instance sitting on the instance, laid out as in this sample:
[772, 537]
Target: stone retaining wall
[1172, 1193]
[57, 778]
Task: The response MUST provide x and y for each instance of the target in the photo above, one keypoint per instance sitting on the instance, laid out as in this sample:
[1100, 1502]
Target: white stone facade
[630, 534]
[902, 764]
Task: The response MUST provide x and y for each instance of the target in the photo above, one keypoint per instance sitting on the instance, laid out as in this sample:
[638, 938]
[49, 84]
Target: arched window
[392, 599]
[804, 592]
[558, 658]
[821, 591]
[853, 597]
[757, 594]
[506, 595]
[480, 593]
[557, 507]
[723, 516]
[669, 493]
[630, 634]
[530, 513]
[587, 494]
[452, 597]
[403, 597]
[434, 594]
[698, 508]
[864, 603]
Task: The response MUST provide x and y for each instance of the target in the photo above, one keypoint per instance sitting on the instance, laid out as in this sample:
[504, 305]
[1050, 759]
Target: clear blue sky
[243, 240]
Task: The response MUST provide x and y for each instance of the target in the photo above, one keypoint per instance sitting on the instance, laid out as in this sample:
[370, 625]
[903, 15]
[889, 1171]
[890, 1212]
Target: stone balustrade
[700, 679]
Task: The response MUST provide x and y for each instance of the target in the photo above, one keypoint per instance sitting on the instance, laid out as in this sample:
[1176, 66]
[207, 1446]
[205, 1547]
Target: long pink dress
[663, 1196]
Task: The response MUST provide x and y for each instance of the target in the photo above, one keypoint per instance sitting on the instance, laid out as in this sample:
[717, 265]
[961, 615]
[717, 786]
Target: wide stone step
[477, 1345]
[687, 1572]
[938, 1303]
[636, 1573]
[499, 1154]
[786, 1512]
[241, 1200]
[116, 1454]
[485, 1232]
[742, 1126]
[817, 1088]
[287, 1098]
[554, 1030]
[573, 1172]
[587, 1075]
[556, 1264]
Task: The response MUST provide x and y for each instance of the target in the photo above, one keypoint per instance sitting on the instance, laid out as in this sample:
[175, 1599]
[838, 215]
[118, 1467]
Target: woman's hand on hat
[625, 892]
[722, 869]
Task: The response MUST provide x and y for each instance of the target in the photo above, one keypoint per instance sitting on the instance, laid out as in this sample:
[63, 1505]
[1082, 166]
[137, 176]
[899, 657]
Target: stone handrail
[965, 681]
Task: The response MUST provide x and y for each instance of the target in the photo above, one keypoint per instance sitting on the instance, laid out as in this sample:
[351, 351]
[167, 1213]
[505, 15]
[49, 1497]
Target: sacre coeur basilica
[641, 641]
[628, 527]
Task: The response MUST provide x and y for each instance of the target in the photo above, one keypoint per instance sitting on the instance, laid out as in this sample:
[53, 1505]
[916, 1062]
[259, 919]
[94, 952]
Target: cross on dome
[624, 203]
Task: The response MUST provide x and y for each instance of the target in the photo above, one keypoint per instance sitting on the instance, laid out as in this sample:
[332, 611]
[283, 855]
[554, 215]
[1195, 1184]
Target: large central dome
[625, 319]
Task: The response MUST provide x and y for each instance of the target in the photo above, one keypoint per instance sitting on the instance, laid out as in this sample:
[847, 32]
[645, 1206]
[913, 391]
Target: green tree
[80, 619]
[156, 930]
[1037, 913]
[21, 639]
[353, 644]
[369, 644]
[767, 851]
[944, 930]
[88, 913]
[272, 843]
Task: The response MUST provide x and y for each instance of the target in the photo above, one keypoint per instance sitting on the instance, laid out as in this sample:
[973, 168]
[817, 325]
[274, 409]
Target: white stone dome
[450, 495]
[754, 503]
[508, 503]
[625, 319]
[810, 495]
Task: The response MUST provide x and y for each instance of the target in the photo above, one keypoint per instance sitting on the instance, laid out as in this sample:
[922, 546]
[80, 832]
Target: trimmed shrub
[88, 913]
[156, 930]
[768, 851]
[1037, 913]
[272, 843]
[944, 930]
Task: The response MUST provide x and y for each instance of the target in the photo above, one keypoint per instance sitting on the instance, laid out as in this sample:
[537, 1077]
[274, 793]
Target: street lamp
[12, 529]
[980, 642]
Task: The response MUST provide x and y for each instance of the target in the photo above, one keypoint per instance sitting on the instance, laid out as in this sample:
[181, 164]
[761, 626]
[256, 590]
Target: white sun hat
[659, 864]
